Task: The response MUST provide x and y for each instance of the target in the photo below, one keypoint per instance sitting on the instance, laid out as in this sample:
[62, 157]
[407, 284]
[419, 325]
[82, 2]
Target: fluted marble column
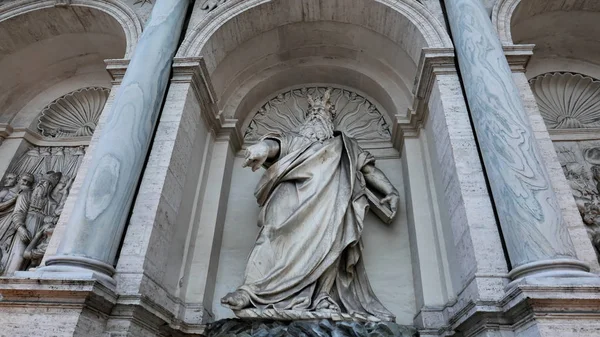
[535, 233]
[95, 229]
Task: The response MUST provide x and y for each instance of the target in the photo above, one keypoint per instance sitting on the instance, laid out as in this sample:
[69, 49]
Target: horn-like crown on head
[322, 102]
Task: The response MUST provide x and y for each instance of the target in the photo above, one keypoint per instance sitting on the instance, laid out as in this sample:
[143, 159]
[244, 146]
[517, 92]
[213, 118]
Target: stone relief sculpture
[582, 170]
[307, 261]
[73, 115]
[31, 207]
[567, 100]
[13, 213]
[355, 115]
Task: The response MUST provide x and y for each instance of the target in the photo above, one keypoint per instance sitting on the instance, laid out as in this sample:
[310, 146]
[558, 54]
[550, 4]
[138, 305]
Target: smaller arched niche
[62, 50]
[563, 32]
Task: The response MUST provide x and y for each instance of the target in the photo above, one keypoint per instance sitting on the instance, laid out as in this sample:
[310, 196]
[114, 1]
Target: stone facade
[125, 211]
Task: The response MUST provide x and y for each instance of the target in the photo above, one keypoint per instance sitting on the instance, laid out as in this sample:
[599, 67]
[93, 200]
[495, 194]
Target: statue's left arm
[379, 182]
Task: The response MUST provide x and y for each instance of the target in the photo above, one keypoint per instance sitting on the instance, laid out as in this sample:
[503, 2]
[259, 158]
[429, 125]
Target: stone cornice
[434, 61]
[117, 68]
[565, 135]
[5, 130]
[90, 294]
[518, 56]
[193, 70]
[8, 132]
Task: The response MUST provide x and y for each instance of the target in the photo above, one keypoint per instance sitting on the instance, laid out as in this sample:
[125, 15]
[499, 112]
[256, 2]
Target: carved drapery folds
[75, 114]
[355, 115]
[567, 100]
[32, 197]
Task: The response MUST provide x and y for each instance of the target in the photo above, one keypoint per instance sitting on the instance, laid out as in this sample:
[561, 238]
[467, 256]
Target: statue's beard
[317, 127]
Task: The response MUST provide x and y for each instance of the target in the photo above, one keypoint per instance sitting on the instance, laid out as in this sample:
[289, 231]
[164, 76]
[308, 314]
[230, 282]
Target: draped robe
[313, 206]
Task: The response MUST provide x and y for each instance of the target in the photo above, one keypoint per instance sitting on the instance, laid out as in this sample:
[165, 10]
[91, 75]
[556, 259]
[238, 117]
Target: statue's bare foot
[236, 300]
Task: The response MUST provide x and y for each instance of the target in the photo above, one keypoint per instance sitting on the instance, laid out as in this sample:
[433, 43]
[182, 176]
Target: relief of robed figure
[314, 195]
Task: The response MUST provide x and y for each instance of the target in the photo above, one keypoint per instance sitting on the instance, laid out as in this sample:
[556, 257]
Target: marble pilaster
[536, 237]
[96, 226]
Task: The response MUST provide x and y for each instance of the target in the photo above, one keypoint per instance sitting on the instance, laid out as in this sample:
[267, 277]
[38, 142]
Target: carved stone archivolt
[567, 100]
[581, 164]
[75, 114]
[209, 5]
[32, 196]
[355, 115]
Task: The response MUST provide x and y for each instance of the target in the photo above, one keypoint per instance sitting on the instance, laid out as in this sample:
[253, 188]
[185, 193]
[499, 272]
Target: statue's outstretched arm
[258, 154]
[378, 181]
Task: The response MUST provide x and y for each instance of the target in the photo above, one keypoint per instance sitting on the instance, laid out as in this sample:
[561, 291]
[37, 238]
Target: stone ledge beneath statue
[305, 328]
[302, 315]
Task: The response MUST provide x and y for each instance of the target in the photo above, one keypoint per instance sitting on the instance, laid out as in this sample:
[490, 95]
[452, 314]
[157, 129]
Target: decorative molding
[62, 3]
[574, 135]
[193, 70]
[433, 62]
[354, 114]
[567, 100]
[209, 5]
[5, 130]
[117, 68]
[75, 114]
[418, 17]
[142, 2]
[518, 56]
[38, 140]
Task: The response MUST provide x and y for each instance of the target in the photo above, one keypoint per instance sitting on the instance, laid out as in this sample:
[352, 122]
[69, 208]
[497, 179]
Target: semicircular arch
[121, 12]
[408, 23]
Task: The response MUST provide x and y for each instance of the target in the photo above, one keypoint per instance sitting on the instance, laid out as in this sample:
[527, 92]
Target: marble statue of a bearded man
[308, 254]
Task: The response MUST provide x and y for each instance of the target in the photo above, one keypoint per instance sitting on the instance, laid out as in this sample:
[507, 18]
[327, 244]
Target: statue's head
[53, 178]
[10, 180]
[26, 181]
[319, 119]
[321, 105]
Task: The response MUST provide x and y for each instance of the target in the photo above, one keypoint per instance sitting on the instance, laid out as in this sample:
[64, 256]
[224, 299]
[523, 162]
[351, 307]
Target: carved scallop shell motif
[354, 114]
[567, 100]
[75, 114]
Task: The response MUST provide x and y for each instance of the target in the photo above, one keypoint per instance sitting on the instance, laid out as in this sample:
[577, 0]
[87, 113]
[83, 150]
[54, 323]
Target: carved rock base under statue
[306, 328]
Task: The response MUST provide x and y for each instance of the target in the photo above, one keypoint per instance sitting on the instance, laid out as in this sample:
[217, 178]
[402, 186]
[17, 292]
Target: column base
[569, 270]
[74, 267]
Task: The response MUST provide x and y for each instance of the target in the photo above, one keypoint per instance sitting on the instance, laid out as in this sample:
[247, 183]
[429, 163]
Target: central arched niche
[386, 247]
[255, 50]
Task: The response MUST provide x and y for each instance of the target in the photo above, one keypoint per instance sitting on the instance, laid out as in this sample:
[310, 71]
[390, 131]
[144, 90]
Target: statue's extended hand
[256, 155]
[392, 200]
